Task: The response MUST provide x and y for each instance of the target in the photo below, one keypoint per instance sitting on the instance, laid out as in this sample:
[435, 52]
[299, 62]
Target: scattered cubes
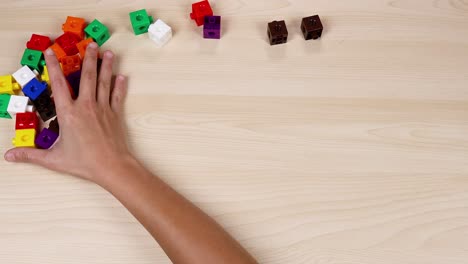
[160, 33]
[98, 31]
[140, 21]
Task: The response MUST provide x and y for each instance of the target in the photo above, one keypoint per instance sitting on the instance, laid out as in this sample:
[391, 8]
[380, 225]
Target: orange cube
[59, 52]
[82, 46]
[70, 64]
[75, 25]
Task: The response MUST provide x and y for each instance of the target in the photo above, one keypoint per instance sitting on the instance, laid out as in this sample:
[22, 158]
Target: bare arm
[93, 146]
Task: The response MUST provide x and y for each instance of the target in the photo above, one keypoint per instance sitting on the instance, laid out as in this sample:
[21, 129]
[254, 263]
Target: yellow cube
[45, 76]
[25, 138]
[8, 85]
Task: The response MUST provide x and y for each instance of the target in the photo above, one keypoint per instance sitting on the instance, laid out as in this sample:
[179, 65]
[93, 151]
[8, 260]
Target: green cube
[98, 32]
[4, 101]
[140, 21]
[33, 59]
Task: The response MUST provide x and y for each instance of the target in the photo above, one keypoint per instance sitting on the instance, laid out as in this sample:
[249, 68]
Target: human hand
[92, 129]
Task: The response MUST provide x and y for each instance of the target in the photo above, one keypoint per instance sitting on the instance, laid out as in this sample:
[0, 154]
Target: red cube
[27, 121]
[200, 10]
[38, 42]
[68, 43]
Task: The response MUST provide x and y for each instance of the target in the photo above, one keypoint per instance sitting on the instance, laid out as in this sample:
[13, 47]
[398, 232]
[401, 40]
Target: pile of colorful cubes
[27, 93]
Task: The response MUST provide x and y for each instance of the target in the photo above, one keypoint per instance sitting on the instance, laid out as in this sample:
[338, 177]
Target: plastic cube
[34, 88]
[277, 32]
[45, 106]
[24, 75]
[140, 21]
[33, 59]
[38, 42]
[311, 27]
[160, 33]
[82, 45]
[212, 27]
[75, 25]
[59, 52]
[98, 32]
[8, 85]
[18, 104]
[25, 138]
[45, 75]
[67, 41]
[46, 139]
[200, 10]
[4, 101]
[27, 121]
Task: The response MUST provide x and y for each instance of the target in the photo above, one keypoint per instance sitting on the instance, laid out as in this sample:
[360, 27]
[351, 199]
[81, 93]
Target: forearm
[185, 233]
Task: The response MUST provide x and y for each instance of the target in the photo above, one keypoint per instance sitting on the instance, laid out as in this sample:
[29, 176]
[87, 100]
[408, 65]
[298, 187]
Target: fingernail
[108, 54]
[92, 45]
[9, 157]
[120, 77]
[49, 52]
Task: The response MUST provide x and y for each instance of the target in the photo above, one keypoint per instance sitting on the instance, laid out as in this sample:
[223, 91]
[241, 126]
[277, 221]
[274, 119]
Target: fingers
[105, 79]
[57, 80]
[89, 73]
[28, 155]
[119, 93]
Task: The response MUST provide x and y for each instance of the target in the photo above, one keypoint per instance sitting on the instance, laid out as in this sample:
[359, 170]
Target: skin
[93, 146]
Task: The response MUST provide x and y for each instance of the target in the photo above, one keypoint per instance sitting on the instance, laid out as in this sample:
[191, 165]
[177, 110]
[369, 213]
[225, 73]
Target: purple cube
[74, 79]
[46, 139]
[212, 27]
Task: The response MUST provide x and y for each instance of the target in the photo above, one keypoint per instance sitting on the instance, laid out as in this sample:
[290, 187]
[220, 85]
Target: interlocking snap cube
[160, 33]
[212, 27]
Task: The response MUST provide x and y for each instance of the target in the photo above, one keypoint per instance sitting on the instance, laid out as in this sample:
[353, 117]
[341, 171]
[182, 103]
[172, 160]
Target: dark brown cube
[312, 27]
[277, 32]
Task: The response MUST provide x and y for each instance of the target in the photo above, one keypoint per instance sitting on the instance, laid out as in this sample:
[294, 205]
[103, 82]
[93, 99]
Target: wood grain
[350, 149]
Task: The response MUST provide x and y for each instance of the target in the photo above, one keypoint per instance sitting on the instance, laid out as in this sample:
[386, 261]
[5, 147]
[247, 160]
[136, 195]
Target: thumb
[27, 155]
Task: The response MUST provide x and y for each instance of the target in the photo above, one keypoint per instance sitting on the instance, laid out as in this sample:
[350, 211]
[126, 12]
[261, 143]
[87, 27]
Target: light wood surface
[349, 149]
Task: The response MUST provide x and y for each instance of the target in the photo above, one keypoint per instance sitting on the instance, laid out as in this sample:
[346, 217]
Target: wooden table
[349, 149]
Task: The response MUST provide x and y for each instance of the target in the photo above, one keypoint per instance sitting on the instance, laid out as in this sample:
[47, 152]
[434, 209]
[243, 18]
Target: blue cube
[34, 88]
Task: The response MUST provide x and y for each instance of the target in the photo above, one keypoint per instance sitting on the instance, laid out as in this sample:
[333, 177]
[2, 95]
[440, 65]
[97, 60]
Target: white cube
[24, 75]
[160, 33]
[19, 104]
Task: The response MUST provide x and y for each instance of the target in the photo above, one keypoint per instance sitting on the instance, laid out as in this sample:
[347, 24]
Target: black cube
[312, 27]
[277, 32]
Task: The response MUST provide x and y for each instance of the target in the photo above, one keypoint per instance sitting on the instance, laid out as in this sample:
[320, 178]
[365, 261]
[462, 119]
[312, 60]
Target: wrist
[110, 173]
